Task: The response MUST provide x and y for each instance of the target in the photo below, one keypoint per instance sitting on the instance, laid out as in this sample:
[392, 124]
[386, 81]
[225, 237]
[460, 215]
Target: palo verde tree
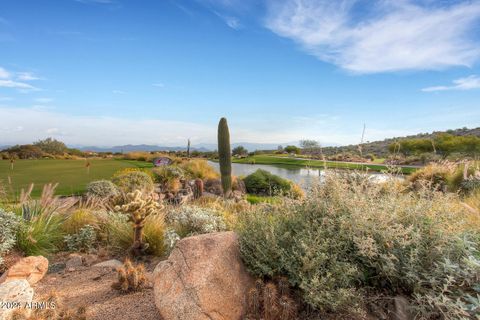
[225, 156]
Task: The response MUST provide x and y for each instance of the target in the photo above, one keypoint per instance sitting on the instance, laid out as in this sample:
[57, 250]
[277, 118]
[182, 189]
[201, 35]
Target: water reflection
[302, 176]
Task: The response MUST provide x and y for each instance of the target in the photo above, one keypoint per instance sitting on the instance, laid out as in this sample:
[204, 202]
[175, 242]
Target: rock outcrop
[15, 294]
[32, 269]
[203, 279]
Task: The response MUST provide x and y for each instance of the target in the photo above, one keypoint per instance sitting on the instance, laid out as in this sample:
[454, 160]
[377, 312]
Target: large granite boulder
[203, 279]
[32, 269]
[15, 295]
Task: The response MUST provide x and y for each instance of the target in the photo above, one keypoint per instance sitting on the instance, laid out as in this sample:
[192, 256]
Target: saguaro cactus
[225, 156]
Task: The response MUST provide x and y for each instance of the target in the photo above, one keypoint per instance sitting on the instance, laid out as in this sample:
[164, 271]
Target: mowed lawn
[72, 176]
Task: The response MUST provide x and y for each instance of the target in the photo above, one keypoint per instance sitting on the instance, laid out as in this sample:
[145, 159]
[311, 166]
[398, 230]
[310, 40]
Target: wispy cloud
[158, 85]
[17, 85]
[118, 91]
[6, 98]
[27, 76]
[17, 80]
[231, 21]
[390, 36]
[468, 83]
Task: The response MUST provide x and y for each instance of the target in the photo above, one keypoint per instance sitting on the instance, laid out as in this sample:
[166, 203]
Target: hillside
[380, 148]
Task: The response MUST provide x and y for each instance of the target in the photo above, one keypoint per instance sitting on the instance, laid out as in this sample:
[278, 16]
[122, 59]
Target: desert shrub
[102, 189]
[83, 241]
[199, 169]
[435, 175]
[264, 183]
[77, 219]
[171, 238]
[41, 231]
[347, 236]
[133, 180]
[169, 177]
[296, 192]
[191, 220]
[9, 223]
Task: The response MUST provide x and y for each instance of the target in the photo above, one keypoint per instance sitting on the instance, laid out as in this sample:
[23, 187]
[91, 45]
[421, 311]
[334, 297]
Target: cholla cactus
[270, 301]
[254, 303]
[130, 277]
[139, 207]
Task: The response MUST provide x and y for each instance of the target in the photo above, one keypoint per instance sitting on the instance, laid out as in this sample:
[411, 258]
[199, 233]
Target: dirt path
[84, 287]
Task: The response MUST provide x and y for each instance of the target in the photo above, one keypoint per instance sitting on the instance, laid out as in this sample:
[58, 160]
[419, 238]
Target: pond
[301, 176]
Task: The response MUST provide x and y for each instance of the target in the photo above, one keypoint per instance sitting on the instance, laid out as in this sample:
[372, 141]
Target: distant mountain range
[203, 147]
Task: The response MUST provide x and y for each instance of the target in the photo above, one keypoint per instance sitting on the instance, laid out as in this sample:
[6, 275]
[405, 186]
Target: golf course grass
[274, 160]
[72, 176]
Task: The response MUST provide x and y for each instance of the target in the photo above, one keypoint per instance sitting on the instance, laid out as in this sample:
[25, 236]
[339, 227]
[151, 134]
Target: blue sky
[109, 72]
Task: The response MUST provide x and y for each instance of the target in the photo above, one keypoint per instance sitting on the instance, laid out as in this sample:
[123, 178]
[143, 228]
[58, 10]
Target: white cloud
[158, 85]
[231, 21]
[392, 35]
[17, 85]
[27, 76]
[6, 98]
[468, 83]
[4, 74]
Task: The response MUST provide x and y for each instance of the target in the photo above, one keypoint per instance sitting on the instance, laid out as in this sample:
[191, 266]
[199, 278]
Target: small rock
[71, 269]
[56, 267]
[113, 264]
[16, 292]
[32, 269]
[74, 261]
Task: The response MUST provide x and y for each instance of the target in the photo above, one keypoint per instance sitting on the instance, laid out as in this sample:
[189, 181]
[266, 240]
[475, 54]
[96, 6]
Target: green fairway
[72, 176]
[274, 160]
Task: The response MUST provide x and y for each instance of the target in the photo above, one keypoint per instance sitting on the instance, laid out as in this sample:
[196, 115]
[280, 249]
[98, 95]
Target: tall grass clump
[41, 230]
[350, 237]
[199, 169]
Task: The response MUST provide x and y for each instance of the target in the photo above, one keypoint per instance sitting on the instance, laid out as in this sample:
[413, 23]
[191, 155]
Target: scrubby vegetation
[262, 182]
[351, 240]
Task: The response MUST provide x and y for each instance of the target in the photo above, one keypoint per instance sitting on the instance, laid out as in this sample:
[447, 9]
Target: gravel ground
[91, 287]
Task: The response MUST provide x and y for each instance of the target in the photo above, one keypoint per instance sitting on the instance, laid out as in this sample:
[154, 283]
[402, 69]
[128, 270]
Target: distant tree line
[41, 149]
[443, 144]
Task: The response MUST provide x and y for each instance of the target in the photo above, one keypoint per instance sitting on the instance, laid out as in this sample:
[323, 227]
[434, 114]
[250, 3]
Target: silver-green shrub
[191, 220]
[133, 180]
[104, 189]
[83, 241]
[9, 224]
[349, 235]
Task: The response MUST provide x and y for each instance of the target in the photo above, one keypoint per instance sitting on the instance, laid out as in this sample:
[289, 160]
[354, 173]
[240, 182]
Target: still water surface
[301, 176]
